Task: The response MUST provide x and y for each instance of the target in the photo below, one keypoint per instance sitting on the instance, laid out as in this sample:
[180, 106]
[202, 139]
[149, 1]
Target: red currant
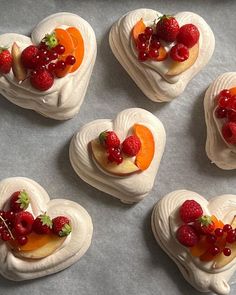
[60, 65]
[227, 227]
[223, 101]
[221, 112]
[231, 116]
[142, 46]
[155, 44]
[42, 46]
[211, 239]
[51, 67]
[60, 49]
[231, 236]
[143, 56]
[227, 251]
[10, 216]
[153, 53]
[225, 93]
[148, 31]
[70, 60]
[22, 240]
[142, 37]
[214, 250]
[6, 236]
[53, 55]
[219, 232]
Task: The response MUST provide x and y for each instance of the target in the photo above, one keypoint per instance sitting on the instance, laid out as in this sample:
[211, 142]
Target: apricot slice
[138, 29]
[163, 54]
[64, 38]
[200, 248]
[232, 91]
[146, 153]
[79, 47]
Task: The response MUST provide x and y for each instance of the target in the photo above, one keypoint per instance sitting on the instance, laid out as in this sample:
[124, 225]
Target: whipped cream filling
[63, 100]
[218, 150]
[151, 76]
[128, 189]
[165, 221]
[17, 268]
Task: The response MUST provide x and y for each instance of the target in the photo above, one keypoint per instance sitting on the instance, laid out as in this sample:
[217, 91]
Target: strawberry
[19, 201]
[109, 139]
[41, 79]
[23, 223]
[131, 145]
[5, 60]
[61, 226]
[167, 28]
[204, 225]
[42, 224]
[187, 235]
[188, 35]
[229, 132]
[190, 210]
[28, 57]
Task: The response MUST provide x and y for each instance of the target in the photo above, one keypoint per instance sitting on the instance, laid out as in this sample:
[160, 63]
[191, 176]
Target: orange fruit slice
[138, 29]
[232, 91]
[146, 153]
[64, 38]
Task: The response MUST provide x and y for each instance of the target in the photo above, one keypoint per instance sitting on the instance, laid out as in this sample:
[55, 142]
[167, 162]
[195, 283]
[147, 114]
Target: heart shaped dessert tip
[199, 236]
[161, 53]
[53, 67]
[38, 236]
[120, 157]
[220, 116]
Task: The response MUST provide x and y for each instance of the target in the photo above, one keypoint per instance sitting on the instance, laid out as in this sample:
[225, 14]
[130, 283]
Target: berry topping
[42, 224]
[188, 35]
[204, 224]
[23, 223]
[42, 79]
[167, 28]
[28, 57]
[61, 226]
[179, 52]
[50, 40]
[5, 60]
[131, 145]
[190, 211]
[19, 201]
[229, 132]
[114, 155]
[187, 235]
[109, 139]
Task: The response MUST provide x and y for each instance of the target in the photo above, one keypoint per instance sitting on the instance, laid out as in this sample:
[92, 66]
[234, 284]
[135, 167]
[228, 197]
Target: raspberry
[42, 224]
[167, 28]
[229, 132]
[188, 35]
[179, 52]
[187, 235]
[42, 79]
[204, 225]
[190, 211]
[131, 145]
[28, 57]
[23, 223]
[19, 201]
[61, 226]
[109, 139]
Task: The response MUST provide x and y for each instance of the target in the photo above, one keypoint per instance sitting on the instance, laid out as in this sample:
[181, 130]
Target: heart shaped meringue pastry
[162, 53]
[51, 70]
[120, 157]
[220, 116]
[202, 245]
[39, 236]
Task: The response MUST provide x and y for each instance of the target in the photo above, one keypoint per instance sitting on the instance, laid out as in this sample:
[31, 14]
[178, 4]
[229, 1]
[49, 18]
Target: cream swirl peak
[158, 80]
[45, 253]
[58, 98]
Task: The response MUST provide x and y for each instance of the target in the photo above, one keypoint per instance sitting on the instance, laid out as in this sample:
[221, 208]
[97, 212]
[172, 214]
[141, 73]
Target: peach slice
[64, 38]
[146, 153]
[127, 167]
[79, 47]
[200, 248]
[232, 91]
[138, 29]
[18, 69]
[177, 68]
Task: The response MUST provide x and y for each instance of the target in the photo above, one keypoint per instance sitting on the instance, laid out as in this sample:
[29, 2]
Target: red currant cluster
[148, 45]
[226, 110]
[130, 146]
